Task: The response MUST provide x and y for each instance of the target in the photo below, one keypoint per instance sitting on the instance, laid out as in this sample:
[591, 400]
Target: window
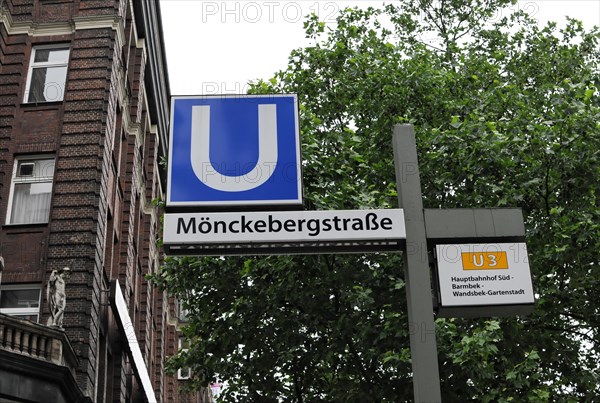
[182, 312]
[22, 301]
[184, 373]
[47, 74]
[31, 190]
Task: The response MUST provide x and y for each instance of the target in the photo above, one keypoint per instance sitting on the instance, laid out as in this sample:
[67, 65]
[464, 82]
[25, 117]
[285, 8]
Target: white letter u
[267, 151]
[480, 263]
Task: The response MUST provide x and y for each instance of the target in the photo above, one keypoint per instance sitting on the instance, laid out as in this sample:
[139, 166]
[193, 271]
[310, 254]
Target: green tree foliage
[507, 113]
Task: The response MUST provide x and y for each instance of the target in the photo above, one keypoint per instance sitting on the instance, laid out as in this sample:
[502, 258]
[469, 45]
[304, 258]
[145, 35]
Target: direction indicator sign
[483, 275]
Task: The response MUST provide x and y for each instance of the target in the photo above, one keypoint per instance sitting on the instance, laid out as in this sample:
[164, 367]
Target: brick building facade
[83, 125]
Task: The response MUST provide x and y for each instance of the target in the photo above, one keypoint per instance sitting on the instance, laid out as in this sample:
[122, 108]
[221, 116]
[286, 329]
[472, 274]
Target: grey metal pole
[423, 346]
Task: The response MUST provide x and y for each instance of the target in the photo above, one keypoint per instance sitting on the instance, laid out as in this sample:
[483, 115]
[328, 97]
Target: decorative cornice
[35, 29]
[97, 22]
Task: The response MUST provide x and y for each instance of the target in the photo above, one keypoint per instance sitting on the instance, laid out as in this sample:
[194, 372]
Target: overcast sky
[216, 47]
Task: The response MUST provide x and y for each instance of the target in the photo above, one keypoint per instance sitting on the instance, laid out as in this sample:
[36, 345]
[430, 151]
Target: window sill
[25, 226]
[42, 105]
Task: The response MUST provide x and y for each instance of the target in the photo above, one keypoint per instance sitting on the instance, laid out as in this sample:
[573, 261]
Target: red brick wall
[106, 177]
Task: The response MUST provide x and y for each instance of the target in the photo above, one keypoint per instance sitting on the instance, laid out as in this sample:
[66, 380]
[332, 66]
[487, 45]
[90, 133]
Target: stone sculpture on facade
[56, 296]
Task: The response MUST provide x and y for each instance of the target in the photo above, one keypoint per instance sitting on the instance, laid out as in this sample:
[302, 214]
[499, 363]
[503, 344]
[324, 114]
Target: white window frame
[182, 313]
[183, 373]
[22, 311]
[33, 65]
[17, 180]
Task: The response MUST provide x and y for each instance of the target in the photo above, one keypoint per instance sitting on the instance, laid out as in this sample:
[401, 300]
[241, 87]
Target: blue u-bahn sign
[234, 150]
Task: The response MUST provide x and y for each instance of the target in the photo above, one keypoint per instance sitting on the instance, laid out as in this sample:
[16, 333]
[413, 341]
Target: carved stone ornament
[56, 296]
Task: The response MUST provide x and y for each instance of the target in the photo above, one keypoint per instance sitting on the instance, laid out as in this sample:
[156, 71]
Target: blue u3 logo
[234, 150]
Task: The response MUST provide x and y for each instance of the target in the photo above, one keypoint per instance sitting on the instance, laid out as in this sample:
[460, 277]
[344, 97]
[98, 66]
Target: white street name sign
[283, 227]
